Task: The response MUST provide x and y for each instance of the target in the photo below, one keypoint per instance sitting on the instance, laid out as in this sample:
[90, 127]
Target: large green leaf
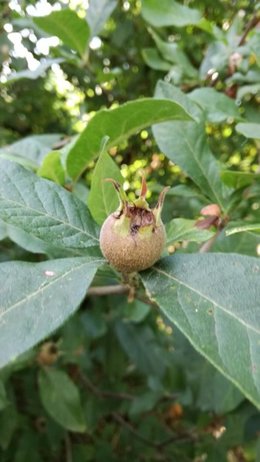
[217, 105]
[182, 229]
[61, 399]
[241, 229]
[215, 392]
[185, 144]
[34, 148]
[170, 13]
[36, 298]
[214, 300]
[103, 199]
[118, 124]
[97, 14]
[139, 343]
[68, 26]
[236, 179]
[44, 209]
[246, 243]
[250, 130]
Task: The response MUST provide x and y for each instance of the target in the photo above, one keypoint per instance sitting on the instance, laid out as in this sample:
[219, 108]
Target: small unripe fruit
[133, 237]
[48, 354]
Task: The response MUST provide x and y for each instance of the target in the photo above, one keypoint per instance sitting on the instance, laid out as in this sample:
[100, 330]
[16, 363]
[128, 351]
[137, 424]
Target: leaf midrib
[203, 172]
[49, 216]
[46, 286]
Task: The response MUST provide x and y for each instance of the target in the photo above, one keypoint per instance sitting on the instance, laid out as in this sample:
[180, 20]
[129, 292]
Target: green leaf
[182, 229]
[168, 13]
[43, 209]
[186, 191]
[172, 52]
[171, 13]
[250, 130]
[216, 393]
[35, 245]
[144, 403]
[60, 397]
[153, 59]
[185, 144]
[8, 424]
[214, 300]
[36, 298]
[243, 228]
[243, 243]
[97, 14]
[135, 311]
[3, 230]
[118, 124]
[238, 179]
[103, 199]
[52, 168]
[33, 148]
[218, 106]
[68, 27]
[3, 397]
[139, 343]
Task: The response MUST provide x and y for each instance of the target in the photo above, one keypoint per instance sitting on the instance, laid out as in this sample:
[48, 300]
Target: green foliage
[61, 399]
[218, 316]
[161, 365]
[191, 151]
[45, 295]
[47, 211]
[118, 125]
[103, 199]
[68, 26]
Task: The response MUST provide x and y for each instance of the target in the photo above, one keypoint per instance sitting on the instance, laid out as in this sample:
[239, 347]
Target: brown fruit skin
[131, 253]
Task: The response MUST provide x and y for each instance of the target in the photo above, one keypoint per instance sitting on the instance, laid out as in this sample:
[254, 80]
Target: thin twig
[183, 437]
[68, 450]
[118, 289]
[109, 290]
[159, 445]
[250, 25]
[132, 430]
[103, 393]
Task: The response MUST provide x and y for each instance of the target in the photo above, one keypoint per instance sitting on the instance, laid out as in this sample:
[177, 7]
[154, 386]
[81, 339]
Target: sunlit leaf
[185, 144]
[68, 26]
[52, 169]
[118, 124]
